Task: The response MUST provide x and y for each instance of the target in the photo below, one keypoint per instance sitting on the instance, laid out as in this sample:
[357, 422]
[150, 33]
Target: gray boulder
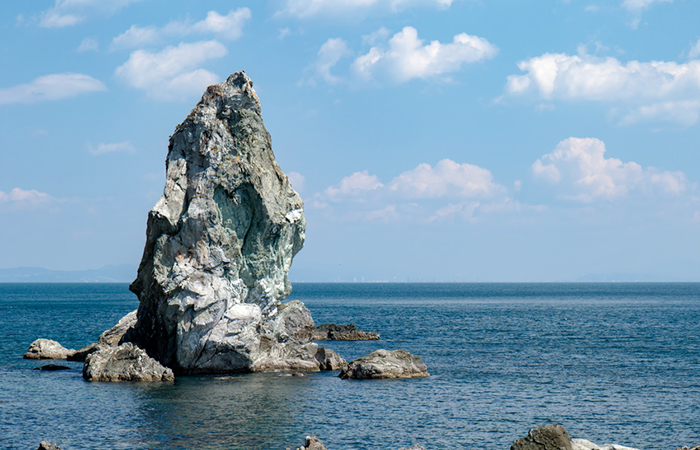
[219, 244]
[545, 437]
[126, 362]
[386, 364]
[46, 445]
[329, 360]
[333, 332]
[47, 349]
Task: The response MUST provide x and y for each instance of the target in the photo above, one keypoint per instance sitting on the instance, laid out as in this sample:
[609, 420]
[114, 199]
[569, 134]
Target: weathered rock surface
[83, 352]
[46, 445]
[219, 244]
[47, 349]
[126, 362]
[545, 437]
[329, 360]
[386, 364]
[333, 332]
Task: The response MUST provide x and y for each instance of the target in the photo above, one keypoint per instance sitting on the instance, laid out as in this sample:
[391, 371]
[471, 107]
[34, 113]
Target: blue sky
[431, 140]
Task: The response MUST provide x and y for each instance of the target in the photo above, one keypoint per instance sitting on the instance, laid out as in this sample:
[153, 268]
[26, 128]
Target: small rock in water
[313, 443]
[52, 367]
[333, 332]
[545, 437]
[555, 437]
[124, 363]
[47, 349]
[329, 360]
[46, 445]
[386, 364]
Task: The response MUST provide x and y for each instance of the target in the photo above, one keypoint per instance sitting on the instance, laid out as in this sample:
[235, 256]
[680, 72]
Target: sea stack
[219, 244]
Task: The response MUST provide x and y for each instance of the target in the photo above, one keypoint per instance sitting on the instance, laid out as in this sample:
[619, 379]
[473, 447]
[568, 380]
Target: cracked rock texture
[219, 244]
[126, 362]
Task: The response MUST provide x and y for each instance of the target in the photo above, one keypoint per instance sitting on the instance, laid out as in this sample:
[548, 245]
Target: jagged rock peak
[220, 242]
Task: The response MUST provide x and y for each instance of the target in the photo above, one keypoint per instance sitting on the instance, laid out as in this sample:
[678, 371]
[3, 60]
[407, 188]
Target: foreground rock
[333, 332]
[46, 445]
[386, 364]
[124, 363]
[312, 443]
[555, 437]
[47, 349]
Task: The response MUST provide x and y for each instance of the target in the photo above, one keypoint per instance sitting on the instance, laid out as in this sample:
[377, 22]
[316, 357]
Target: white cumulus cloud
[119, 147]
[172, 73]
[404, 57]
[228, 27]
[638, 5]
[51, 87]
[447, 179]
[66, 13]
[21, 198]
[664, 90]
[580, 170]
[354, 185]
[311, 8]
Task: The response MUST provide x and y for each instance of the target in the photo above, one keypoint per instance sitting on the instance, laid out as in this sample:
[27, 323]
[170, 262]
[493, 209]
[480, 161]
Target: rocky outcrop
[126, 362]
[47, 349]
[46, 445]
[555, 437]
[219, 244]
[333, 332]
[386, 364]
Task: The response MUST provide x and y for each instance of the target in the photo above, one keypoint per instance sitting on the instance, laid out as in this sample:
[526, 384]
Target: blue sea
[612, 362]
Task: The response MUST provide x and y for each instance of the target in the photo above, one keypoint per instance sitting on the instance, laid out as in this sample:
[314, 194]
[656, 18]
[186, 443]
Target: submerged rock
[52, 367]
[386, 364]
[333, 332]
[219, 244]
[47, 349]
[126, 362]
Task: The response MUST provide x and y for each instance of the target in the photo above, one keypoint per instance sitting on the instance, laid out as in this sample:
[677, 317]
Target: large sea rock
[219, 244]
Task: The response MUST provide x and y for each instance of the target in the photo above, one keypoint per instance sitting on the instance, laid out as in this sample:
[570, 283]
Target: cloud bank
[51, 87]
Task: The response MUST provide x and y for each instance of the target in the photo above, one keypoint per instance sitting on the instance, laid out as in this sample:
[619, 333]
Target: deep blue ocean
[612, 362]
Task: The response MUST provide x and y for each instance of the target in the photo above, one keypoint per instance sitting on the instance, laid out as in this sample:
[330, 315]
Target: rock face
[219, 244]
[545, 437]
[333, 332]
[386, 364]
[124, 363]
[47, 349]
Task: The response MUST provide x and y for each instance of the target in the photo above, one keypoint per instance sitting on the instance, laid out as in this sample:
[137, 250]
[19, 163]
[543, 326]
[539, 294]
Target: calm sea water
[613, 363]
